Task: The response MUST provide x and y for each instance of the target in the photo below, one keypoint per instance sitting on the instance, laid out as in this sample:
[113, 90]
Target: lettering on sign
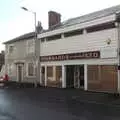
[71, 56]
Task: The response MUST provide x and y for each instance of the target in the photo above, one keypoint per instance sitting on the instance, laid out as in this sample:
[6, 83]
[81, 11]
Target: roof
[22, 37]
[87, 17]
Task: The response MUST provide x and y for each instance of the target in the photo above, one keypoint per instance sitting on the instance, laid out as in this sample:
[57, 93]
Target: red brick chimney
[54, 18]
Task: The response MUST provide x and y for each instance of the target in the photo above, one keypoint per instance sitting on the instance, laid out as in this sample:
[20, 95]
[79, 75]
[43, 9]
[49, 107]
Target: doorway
[79, 76]
[19, 72]
[70, 76]
[75, 76]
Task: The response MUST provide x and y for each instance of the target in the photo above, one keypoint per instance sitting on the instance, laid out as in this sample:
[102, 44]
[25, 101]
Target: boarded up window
[58, 73]
[102, 78]
[93, 73]
[49, 73]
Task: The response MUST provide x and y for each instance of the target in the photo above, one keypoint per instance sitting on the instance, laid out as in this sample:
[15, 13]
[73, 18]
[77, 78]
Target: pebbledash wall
[89, 46]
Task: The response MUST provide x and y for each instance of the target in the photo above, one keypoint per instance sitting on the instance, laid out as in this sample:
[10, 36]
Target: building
[78, 53]
[20, 61]
[82, 52]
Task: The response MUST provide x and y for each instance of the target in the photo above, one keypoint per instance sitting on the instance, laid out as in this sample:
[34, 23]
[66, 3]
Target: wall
[86, 42]
[19, 54]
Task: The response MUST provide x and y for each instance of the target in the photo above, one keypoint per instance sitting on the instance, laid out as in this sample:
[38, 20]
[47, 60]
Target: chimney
[54, 18]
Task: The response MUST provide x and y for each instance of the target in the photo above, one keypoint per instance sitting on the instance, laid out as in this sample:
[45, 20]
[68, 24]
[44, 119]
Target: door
[70, 76]
[76, 77]
[43, 75]
[79, 76]
[19, 73]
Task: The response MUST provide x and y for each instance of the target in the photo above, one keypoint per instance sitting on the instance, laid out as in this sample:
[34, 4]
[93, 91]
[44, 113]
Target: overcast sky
[14, 21]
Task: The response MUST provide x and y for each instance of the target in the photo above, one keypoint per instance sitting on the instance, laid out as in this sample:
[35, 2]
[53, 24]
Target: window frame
[30, 44]
[11, 45]
[27, 71]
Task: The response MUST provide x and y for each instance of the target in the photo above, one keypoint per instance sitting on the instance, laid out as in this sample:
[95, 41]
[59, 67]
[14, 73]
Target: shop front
[51, 76]
[84, 70]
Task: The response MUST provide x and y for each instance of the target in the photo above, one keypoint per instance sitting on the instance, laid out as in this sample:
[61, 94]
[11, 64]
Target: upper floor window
[31, 69]
[42, 39]
[100, 27]
[30, 46]
[73, 33]
[54, 37]
[10, 49]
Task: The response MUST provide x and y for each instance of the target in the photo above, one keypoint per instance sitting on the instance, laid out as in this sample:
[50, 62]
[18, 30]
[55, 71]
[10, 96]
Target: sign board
[71, 56]
[108, 53]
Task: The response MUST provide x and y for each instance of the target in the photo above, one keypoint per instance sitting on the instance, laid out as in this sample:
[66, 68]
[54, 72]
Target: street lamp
[34, 20]
[35, 36]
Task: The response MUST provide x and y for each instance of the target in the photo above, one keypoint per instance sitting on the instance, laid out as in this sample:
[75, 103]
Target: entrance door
[19, 73]
[79, 76]
[70, 76]
[76, 77]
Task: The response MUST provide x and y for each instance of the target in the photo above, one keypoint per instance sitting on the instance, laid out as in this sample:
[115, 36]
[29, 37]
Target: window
[42, 39]
[59, 73]
[102, 77]
[30, 46]
[31, 69]
[101, 27]
[93, 72]
[54, 37]
[10, 68]
[10, 48]
[73, 33]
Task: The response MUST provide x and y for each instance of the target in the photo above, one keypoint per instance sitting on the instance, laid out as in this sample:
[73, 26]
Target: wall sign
[71, 56]
[108, 52]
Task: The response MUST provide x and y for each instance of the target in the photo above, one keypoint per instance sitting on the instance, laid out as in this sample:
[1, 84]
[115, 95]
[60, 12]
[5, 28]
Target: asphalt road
[30, 104]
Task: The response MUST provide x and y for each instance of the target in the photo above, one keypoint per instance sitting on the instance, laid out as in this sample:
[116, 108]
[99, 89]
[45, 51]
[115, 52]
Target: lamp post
[35, 37]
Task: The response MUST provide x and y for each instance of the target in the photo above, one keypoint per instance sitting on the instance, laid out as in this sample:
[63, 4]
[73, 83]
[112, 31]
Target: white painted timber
[63, 76]
[45, 75]
[85, 77]
[81, 43]
[110, 61]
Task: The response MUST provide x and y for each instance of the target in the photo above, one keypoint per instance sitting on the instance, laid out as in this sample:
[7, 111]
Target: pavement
[56, 104]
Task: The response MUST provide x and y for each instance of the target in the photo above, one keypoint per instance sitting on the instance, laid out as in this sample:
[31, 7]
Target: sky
[14, 21]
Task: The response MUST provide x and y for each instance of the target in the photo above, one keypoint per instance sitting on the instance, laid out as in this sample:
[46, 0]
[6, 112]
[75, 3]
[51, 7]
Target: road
[30, 104]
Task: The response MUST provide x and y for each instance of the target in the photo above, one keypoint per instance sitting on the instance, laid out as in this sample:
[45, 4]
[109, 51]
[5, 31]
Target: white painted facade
[94, 41]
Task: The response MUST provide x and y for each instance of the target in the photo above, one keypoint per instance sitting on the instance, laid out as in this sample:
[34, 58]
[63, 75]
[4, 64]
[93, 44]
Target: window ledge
[30, 76]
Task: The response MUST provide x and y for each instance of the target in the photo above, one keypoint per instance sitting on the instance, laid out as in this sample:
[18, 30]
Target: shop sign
[71, 56]
[108, 53]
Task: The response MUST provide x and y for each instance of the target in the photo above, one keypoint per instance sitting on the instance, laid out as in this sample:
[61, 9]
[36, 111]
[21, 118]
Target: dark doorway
[75, 76]
[82, 76]
[20, 73]
[70, 76]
